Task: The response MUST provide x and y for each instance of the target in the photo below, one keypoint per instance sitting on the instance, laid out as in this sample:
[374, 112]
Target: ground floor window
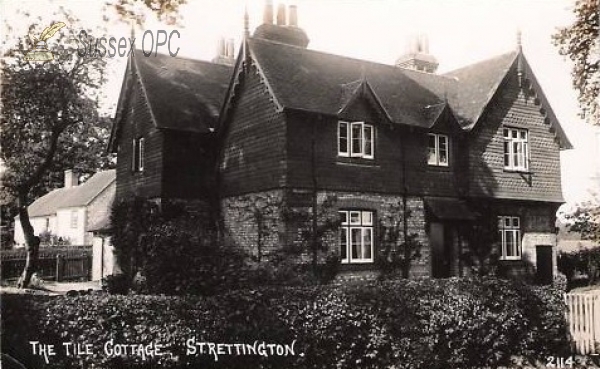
[509, 229]
[356, 236]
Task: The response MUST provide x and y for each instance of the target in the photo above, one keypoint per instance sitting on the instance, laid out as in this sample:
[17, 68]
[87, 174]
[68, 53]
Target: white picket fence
[583, 315]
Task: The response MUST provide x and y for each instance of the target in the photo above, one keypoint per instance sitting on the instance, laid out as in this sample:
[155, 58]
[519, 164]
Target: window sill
[514, 259]
[356, 162]
[518, 171]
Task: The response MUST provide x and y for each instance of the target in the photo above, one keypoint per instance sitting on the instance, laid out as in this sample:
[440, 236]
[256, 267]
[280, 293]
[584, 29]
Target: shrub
[456, 323]
[116, 284]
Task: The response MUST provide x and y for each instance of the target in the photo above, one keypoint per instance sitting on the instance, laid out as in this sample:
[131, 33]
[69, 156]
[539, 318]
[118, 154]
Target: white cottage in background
[68, 212]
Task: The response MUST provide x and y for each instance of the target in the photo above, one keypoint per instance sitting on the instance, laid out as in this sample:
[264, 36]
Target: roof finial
[519, 43]
[246, 22]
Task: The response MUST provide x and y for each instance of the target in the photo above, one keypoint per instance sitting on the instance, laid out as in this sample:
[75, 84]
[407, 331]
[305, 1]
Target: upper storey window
[356, 140]
[438, 150]
[516, 149]
[137, 159]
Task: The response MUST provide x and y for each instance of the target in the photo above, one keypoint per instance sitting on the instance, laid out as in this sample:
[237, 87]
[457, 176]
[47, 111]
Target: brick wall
[244, 214]
[382, 205]
[241, 225]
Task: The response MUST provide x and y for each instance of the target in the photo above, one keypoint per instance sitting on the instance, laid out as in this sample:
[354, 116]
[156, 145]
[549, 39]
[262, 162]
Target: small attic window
[356, 140]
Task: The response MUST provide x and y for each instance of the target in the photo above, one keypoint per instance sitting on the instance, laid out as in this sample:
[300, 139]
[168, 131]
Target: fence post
[58, 268]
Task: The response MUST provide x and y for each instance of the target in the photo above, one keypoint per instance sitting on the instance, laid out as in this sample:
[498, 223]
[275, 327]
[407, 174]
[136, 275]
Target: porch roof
[447, 208]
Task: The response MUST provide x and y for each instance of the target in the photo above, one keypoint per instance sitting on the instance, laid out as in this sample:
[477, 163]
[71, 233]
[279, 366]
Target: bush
[456, 323]
[116, 284]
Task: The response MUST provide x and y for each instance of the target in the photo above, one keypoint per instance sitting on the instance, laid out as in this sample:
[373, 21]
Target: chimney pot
[281, 15]
[268, 14]
[230, 48]
[293, 16]
[221, 47]
[70, 179]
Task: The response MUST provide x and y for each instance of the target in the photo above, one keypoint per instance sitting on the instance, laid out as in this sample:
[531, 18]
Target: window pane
[514, 133]
[367, 218]
[518, 243]
[523, 135]
[355, 237]
[368, 138]
[432, 156]
[344, 243]
[367, 243]
[355, 217]
[141, 154]
[506, 222]
[515, 222]
[510, 243]
[443, 149]
[506, 134]
[344, 217]
[506, 154]
[356, 138]
[343, 137]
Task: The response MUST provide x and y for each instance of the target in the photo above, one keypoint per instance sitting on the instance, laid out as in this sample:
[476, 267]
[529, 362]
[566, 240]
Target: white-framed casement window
[74, 218]
[516, 149]
[137, 157]
[438, 149]
[509, 229]
[356, 140]
[356, 236]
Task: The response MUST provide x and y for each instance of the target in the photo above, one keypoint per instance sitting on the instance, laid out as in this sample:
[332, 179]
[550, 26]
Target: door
[544, 267]
[440, 237]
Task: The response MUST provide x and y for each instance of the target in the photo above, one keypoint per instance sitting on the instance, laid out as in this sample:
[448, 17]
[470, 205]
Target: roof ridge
[390, 66]
[161, 55]
[478, 63]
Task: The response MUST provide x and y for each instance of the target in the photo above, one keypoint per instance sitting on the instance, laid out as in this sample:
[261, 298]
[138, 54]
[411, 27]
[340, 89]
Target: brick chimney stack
[281, 15]
[268, 14]
[70, 179]
[293, 16]
[417, 55]
[225, 52]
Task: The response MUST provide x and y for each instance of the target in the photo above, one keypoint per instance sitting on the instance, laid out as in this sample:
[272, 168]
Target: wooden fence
[55, 263]
[583, 316]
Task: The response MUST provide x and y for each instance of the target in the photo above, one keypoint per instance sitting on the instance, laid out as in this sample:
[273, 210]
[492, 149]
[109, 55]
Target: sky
[460, 32]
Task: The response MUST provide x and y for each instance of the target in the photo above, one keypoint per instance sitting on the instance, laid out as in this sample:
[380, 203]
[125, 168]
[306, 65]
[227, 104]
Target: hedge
[454, 323]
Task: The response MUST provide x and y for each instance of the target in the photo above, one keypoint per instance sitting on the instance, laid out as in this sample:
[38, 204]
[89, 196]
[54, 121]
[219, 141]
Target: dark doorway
[544, 267]
[441, 238]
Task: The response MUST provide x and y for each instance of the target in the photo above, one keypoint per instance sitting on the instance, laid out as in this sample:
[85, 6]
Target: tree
[399, 248]
[580, 42]
[48, 107]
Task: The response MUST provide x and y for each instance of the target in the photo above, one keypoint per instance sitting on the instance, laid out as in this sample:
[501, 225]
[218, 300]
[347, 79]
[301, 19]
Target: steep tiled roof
[475, 86]
[183, 94]
[316, 81]
[76, 196]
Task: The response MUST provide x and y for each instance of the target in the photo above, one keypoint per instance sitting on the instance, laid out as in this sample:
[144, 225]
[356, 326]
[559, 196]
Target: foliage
[579, 41]
[398, 247]
[117, 284]
[131, 220]
[584, 218]
[49, 239]
[482, 254]
[49, 119]
[180, 257]
[586, 262]
[455, 323]
[316, 228]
